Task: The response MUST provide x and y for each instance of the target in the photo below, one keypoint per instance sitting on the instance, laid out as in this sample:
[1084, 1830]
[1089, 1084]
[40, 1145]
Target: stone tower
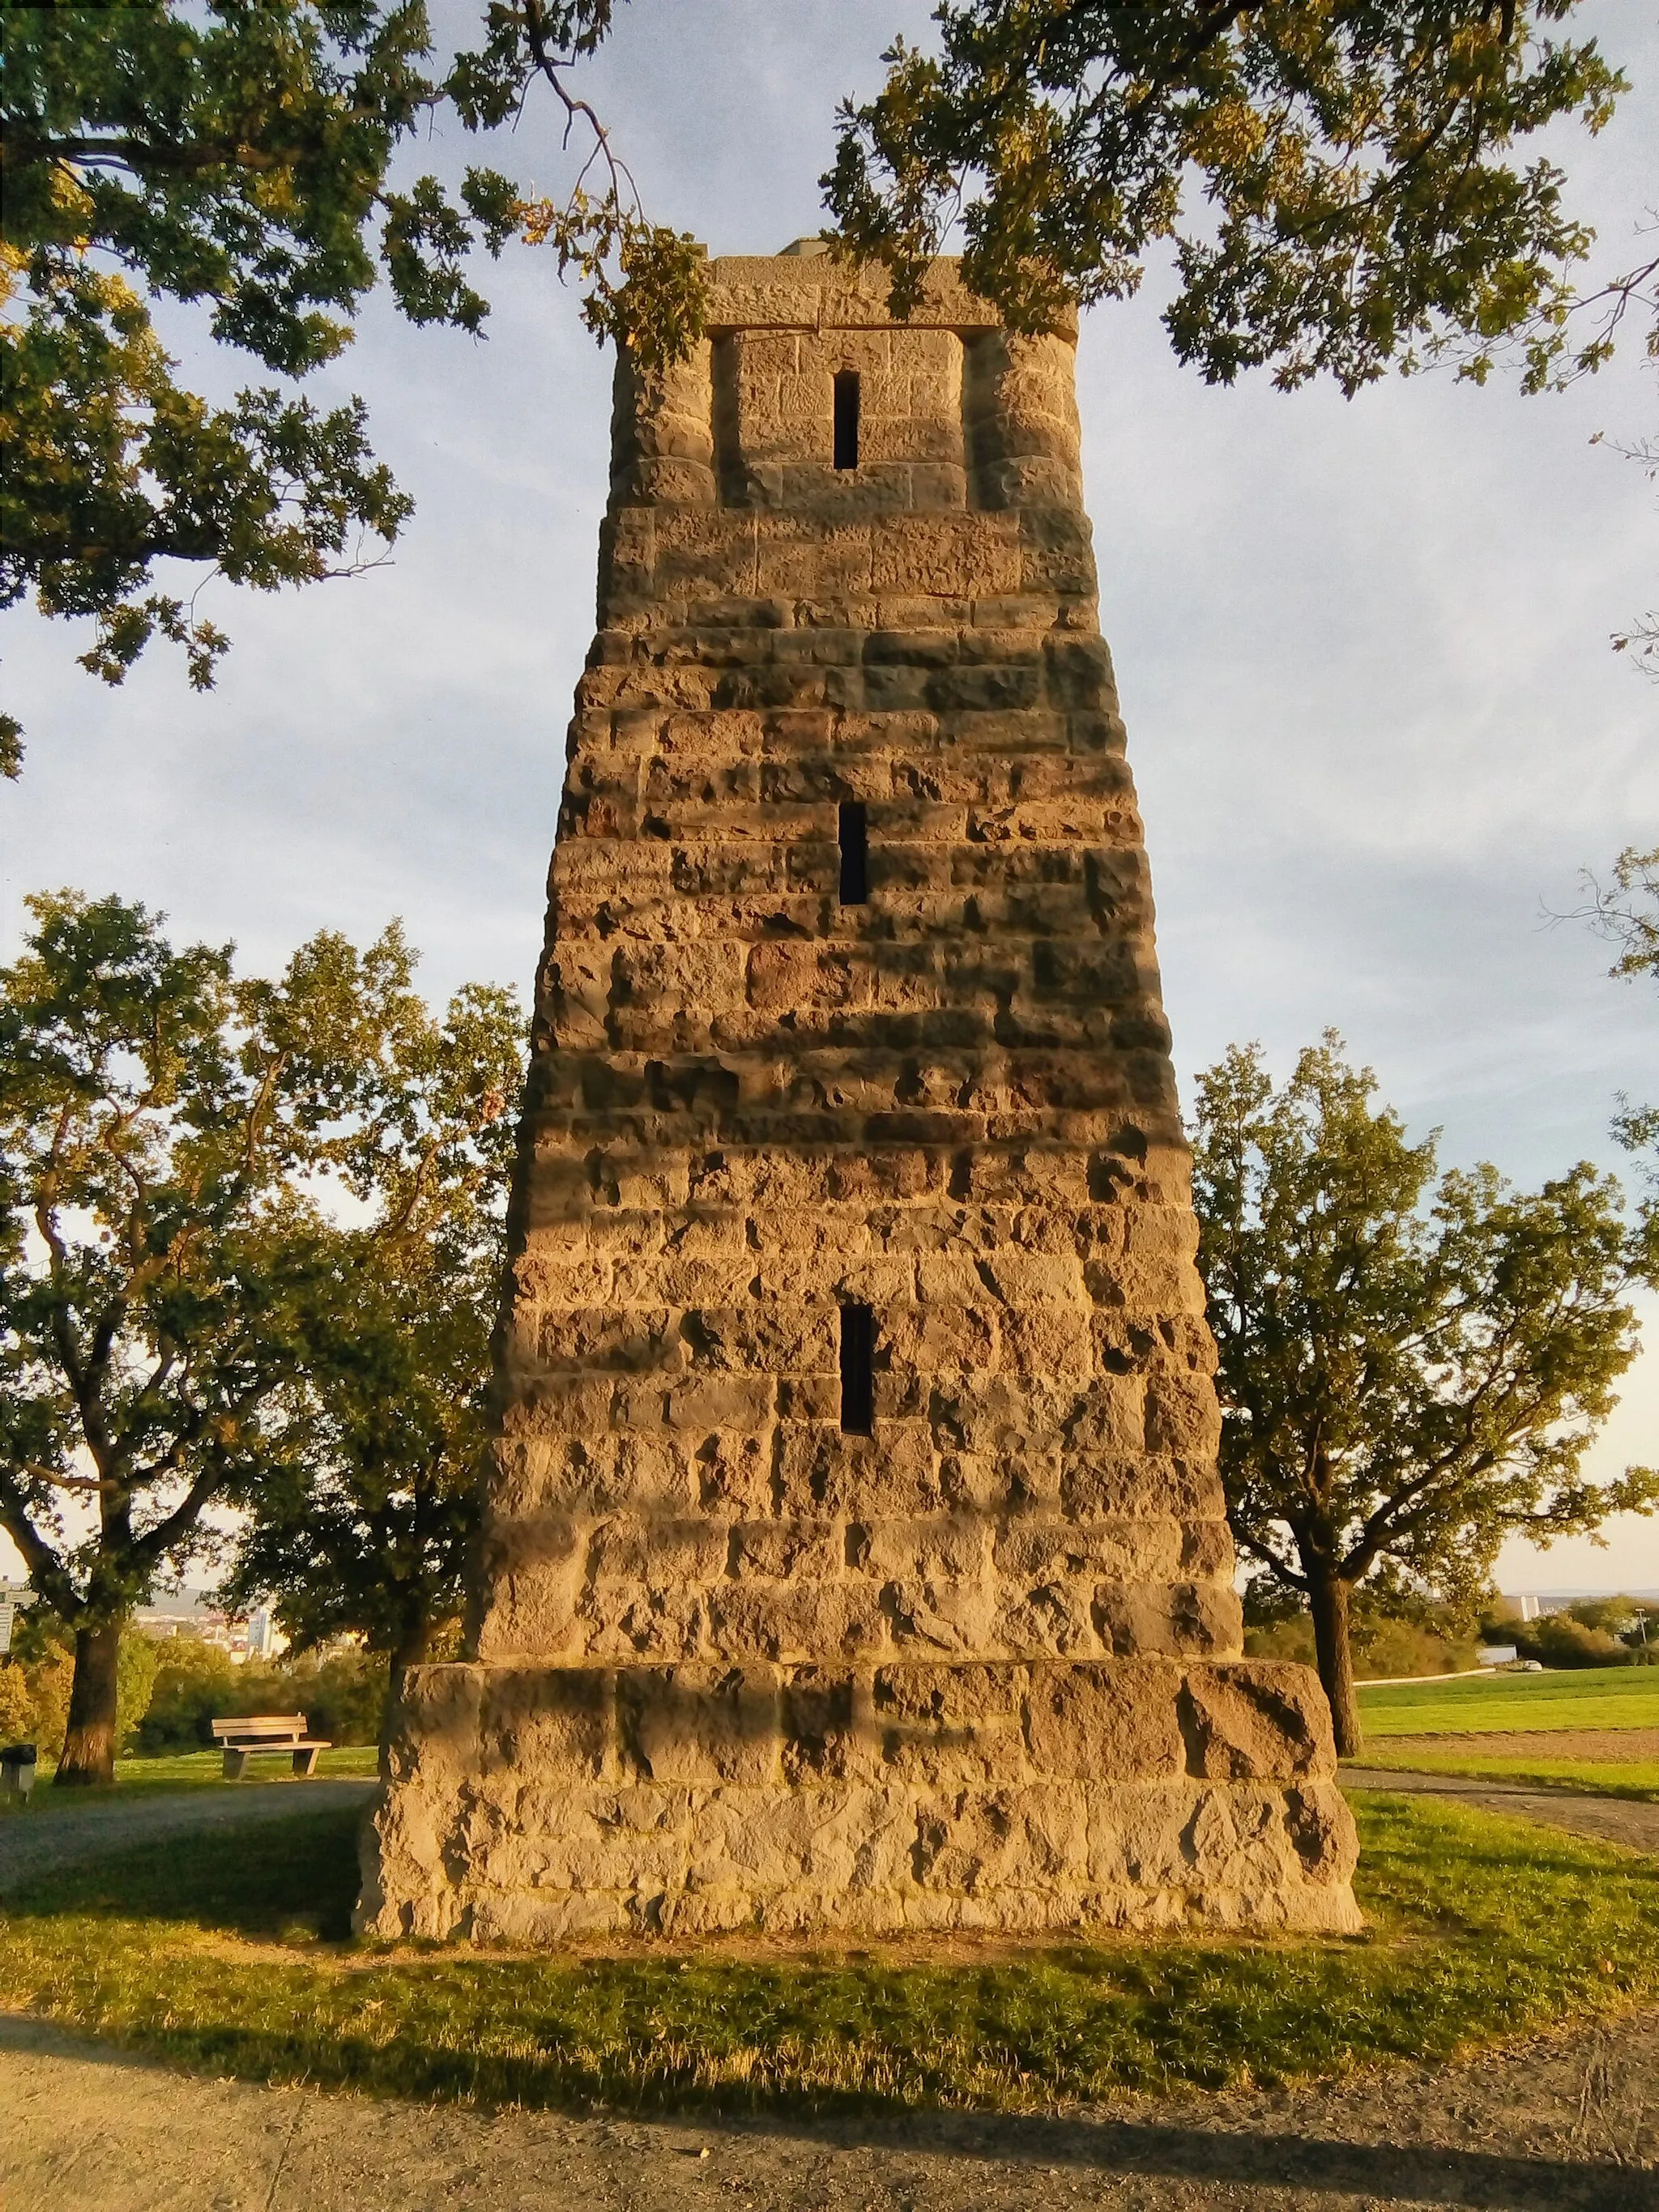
[855, 1557]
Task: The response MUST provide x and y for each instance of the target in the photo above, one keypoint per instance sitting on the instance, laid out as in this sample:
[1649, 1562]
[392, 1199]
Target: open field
[227, 1952]
[1586, 1698]
[1595, 1729]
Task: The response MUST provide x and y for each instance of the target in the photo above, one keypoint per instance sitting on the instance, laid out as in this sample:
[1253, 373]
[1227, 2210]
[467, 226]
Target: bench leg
[236, 1763]
[305, 1762]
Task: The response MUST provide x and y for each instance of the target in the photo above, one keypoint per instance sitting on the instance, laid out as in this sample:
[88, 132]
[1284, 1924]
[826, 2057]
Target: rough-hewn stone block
[737, 1666]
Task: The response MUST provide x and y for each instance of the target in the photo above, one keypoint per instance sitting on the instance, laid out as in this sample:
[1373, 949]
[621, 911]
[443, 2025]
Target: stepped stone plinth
[854, 1554]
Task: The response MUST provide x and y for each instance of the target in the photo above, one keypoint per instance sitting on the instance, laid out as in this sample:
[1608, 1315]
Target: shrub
[1633, 1620]
[1559, 1640]
[342, 1697]
[194, 1683]
[345, 1695]
[1281, 1639]
[135, 1680]
[1385, 1648]
[16, 1705]
[43, 1652]
[1383, 1645]
[1615, 1616]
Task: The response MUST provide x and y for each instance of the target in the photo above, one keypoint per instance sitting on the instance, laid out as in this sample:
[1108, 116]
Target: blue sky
[1362, 647]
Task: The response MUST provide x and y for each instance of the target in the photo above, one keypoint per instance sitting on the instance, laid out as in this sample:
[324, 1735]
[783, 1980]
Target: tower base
[536, 1804]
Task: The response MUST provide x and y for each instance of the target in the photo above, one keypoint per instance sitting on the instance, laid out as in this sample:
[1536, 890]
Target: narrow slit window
[854, 853]
[858, 1371]
[847, 418]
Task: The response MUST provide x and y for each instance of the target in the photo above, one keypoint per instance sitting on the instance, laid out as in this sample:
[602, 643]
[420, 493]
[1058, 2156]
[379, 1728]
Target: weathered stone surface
[737, 1666]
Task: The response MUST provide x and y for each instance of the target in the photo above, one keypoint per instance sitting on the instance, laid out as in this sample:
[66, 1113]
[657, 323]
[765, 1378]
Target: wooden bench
[245, 1737]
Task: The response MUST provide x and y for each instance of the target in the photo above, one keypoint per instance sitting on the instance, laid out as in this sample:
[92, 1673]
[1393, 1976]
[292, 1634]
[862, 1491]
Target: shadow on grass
[250, 1879]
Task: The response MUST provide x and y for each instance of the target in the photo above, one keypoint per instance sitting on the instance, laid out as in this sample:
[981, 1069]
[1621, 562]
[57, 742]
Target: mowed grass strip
[191, 1770]
[228, 1952]
[1586, 1698]
[1636, 1778]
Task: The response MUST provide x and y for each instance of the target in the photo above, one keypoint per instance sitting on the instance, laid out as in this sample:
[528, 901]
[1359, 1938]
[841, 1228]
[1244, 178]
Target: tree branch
[47, 1572]
[550, 65]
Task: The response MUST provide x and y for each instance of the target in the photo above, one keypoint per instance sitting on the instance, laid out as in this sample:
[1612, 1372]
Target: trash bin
[17, 1770]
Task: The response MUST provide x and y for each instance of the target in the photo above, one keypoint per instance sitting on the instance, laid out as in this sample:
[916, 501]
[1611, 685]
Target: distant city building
[265, 1640]
[1523, 1608]
[197, 1614]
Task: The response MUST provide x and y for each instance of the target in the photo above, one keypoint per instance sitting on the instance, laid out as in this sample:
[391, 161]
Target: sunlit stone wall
[737, 1663]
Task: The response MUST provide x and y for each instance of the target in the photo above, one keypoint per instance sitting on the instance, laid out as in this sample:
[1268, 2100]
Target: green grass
[196, 1770]
[229, 1952]
[1601, 1778]
[1583, 1698]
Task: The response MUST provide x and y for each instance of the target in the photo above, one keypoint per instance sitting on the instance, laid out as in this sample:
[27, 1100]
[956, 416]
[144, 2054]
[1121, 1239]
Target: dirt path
[56, 1835]
[1609, 1820]
[1530, 1743]
[1561, 2126]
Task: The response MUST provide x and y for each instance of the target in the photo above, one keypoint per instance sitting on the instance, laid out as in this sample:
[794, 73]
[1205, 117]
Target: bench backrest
[260, 1727]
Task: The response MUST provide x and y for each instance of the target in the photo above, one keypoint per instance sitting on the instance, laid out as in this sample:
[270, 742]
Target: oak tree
[1412, 1365]
[172, 1142]
[1339, 183]
[366, 1527]
[365, 1530]
[1641, 638]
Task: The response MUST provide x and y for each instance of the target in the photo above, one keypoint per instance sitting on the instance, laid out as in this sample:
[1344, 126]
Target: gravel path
[1608, 1820]
[64, 1835]
[1567, 2124]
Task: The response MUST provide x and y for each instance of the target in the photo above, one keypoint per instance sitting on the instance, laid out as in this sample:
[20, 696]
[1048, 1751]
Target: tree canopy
[246, 157]
[1411, 1367]
[1641, 639]
[1625, 911]
[171, 1270]
[1337, 181]
[1340, 184]
[365, 1528]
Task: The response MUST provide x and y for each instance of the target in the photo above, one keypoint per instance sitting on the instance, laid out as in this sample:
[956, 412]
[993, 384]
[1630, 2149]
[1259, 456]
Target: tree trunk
[411, 1652]
[89, 1756]
[1328, 1597]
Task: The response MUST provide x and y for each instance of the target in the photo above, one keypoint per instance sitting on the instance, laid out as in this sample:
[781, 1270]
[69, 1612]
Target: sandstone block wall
[735, 1664]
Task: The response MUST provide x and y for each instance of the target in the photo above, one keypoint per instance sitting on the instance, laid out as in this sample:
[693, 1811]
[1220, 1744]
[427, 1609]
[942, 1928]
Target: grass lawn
[1580, 1697]
[1602, 1777]
[229, 1952]
[197, 1770]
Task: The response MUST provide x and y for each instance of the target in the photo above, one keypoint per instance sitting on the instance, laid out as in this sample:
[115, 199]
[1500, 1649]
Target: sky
[1363, 650]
